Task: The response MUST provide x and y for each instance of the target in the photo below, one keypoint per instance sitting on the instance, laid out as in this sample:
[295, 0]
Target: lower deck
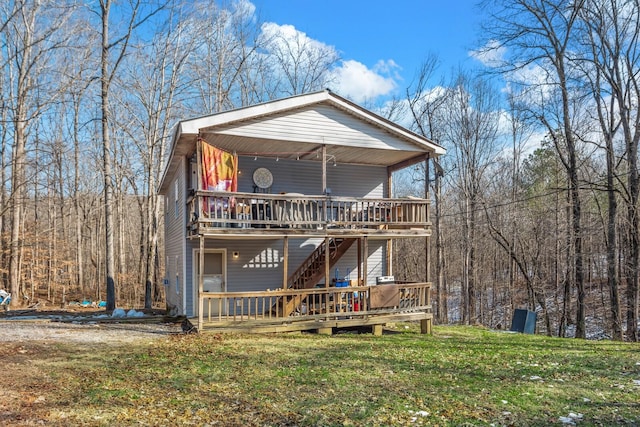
[317, 309]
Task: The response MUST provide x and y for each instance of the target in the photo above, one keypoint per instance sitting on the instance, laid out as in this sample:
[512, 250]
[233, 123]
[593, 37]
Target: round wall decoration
[262, 178]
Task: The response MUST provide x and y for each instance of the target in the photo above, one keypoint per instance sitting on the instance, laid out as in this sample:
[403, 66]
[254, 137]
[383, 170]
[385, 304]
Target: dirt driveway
[82, 327]
[32, 347]
[83, 332]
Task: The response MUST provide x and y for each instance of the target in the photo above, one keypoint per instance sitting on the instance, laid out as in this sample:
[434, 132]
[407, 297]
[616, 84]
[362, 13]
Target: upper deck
[254, 214]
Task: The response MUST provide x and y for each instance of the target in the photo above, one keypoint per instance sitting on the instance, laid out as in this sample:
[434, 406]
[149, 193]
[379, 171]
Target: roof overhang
[218, 129]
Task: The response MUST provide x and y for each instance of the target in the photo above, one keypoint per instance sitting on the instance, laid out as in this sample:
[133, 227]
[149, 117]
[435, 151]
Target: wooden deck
[224, 215]
[319, 309]
[256, 213]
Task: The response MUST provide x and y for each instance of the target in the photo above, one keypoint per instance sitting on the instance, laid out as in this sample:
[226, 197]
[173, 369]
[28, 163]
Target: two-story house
[279, 217]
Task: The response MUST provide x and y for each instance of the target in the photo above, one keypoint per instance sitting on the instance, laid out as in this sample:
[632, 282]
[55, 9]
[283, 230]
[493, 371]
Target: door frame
[194, 278]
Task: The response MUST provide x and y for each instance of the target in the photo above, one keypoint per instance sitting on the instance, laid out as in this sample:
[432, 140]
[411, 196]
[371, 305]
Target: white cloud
[402, 109]
[349, 78]
[530, 84]
[532, 74]
[245, 8]
[270, 29]
[356, 81]
[530, 138]
[492, 54]
[290, 37]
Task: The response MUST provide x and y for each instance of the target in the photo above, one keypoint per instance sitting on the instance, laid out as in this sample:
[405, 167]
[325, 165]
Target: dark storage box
[523, 321]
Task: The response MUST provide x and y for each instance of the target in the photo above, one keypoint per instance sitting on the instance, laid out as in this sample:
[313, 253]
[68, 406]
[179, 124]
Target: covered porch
[214, 211]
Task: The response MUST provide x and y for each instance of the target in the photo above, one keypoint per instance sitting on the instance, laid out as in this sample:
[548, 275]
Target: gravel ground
[86, 332]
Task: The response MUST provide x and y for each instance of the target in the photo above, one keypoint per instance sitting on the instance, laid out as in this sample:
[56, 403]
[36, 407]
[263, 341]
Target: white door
[214, 276]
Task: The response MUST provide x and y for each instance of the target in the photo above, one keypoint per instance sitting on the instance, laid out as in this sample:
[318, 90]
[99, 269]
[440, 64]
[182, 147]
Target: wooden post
[360, 283]
[440, 303]
[201, 284]
[389, 255]
[426, 176]
[427, 251]
[324, 185]
[365, 257]
[327, 267]
[389, 258]
[285, 262]
[324, 171]
[425, 324]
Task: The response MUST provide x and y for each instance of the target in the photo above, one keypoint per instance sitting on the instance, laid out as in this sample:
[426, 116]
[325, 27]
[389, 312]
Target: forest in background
[535, 204]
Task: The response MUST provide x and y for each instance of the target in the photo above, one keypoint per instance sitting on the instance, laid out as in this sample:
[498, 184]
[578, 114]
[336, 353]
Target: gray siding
[305, 177]
[175, 241]
[190, 283]
[259, 265]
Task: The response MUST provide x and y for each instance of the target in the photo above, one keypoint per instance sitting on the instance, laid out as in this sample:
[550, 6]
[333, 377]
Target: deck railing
[292, 210]
[288, 305]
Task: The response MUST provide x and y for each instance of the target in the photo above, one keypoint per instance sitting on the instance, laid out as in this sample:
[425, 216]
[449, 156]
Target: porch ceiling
[294, 150]
[288, 149]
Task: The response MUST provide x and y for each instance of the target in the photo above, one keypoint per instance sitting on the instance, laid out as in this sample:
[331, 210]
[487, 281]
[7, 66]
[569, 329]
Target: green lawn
[458, 376]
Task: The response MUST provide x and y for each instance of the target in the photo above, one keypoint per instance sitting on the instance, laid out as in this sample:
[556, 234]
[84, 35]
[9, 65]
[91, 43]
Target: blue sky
[388, 38]
[383, 43]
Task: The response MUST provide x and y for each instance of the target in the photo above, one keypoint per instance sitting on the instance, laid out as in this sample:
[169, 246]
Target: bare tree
[471, 126]
[541, 34]
[426, 101]
[113, 51]
[225, 40]
[30, 32]
[612, 33]
[298, 63]
[605, 66]
[77, 99]
[152, 105]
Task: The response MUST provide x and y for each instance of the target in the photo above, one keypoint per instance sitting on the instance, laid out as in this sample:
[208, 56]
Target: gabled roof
[299, 125]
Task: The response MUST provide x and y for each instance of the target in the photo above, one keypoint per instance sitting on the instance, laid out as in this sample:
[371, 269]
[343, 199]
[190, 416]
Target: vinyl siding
[175, 242]
[259, 265]
[319, 124]
[305, 177]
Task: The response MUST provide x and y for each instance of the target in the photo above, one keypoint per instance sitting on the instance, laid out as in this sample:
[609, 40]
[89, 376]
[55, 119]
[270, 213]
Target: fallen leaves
[407, 379]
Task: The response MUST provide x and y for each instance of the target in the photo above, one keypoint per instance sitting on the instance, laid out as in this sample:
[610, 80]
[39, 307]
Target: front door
[215, 263]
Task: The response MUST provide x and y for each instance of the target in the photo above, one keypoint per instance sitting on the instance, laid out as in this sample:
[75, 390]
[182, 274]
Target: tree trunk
[17, 185]
[110, 268]
[441, 307]
[634, 251]
[612, 246]
[76, 201]
[473, 315]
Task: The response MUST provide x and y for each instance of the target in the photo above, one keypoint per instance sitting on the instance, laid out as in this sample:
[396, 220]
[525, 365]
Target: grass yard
[458, 376]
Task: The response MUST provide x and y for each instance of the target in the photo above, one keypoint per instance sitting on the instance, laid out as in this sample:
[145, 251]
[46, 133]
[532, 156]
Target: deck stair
[312, 269]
